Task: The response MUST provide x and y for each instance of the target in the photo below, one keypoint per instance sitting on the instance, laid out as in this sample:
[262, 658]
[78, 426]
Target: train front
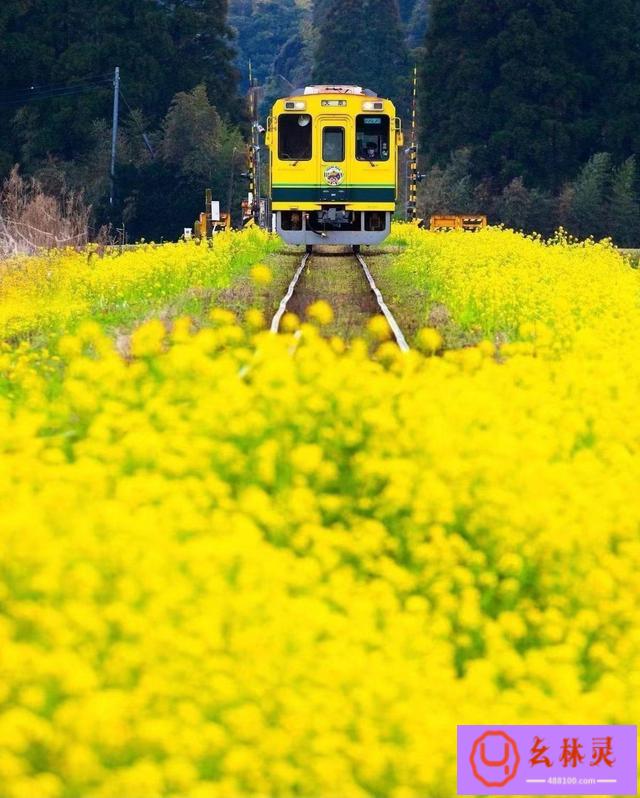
[333, 166]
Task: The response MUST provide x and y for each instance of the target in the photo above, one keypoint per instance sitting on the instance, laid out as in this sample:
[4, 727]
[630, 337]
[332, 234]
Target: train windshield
[333, 144]
[372, 138]
[294, 137]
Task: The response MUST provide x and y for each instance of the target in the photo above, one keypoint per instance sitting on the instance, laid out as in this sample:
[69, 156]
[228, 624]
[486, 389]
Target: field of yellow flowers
[234, 564]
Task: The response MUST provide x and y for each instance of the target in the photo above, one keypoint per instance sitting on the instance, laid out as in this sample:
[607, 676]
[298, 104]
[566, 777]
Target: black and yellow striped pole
[412, 177]
[252, 151]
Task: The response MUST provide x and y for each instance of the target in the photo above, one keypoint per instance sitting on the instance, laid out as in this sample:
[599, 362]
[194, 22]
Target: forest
[529, 112]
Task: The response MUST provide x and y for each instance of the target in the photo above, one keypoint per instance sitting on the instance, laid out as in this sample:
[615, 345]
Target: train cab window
[294, 137]
[333, 144]
[372, 138]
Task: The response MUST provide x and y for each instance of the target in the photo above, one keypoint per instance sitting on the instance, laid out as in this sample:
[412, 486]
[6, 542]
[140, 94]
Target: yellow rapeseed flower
[320, 312]
[148, 339]
[429, 340]
[222, 316]
[259, 546]
[261, 274]
[379, 328]
[290, 322]
[255, 318]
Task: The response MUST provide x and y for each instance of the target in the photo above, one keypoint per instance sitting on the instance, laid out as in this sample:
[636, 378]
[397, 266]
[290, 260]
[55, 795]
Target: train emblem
[333, 175]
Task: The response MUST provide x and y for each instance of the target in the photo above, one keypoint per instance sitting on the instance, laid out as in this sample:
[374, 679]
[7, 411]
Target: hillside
[279, 36]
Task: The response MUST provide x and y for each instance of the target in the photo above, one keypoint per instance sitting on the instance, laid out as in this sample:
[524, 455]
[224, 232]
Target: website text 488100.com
[572, 780]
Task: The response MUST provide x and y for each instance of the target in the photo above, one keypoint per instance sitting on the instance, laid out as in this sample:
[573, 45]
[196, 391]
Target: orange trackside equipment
[457, 222]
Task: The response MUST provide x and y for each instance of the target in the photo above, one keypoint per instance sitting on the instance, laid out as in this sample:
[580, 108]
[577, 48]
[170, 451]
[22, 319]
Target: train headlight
[291, 105]
[372, 106]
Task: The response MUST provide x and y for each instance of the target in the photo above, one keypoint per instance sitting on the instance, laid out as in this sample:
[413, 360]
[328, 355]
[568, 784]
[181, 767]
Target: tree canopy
[161, 48]
[362, 42]
[532, 88]
[56, 92]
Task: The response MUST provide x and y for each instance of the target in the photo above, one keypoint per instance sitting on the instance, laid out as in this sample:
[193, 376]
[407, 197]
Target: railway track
[286, 299]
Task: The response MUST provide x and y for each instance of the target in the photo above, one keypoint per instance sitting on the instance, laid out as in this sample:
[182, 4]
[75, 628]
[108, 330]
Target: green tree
[455, 82]
[202, 39]
[320, 11]
[193, 134]
[588, 212]
[609, 58]
[405, 9]
[515, 205]
[342, 23]
[374, 26]
[624, 209]
[264, 30]
[417, 23]
[448, 189]
[162, 48]
[533, 88]
[385, 52]
[500, 78]
[198, 150]
[525, 209]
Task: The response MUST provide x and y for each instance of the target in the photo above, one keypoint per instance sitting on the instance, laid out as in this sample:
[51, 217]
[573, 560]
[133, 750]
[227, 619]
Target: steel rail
[282, 308]
[395, 329]
[393, 324]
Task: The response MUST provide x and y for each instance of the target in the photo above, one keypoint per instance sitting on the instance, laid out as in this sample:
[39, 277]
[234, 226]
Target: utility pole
[412, 172]
[257, 161]
[114, 133]
[231, 180]
[253, 175]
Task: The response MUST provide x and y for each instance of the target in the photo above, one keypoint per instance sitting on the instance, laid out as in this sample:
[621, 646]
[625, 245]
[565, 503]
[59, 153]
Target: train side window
[333, 144]
[372, 138]
[294, 137]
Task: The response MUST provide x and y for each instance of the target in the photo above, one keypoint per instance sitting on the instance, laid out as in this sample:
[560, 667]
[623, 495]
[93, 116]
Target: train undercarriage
[333, 225]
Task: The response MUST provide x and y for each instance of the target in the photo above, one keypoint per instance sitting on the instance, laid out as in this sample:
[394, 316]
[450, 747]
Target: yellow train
[333, 156]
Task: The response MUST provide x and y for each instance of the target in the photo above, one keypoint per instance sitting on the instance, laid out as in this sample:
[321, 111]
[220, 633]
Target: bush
[31, 220]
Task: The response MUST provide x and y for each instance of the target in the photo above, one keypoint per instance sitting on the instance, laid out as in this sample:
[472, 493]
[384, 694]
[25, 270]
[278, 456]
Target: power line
[82, 86]
[52, 92]
[71, 82]
[51, 96]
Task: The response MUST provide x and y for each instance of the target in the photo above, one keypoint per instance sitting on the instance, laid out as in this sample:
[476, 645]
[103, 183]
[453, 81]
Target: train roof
[333, 89]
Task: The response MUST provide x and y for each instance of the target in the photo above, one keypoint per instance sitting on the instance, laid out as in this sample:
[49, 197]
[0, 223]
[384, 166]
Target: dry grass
[31, 220]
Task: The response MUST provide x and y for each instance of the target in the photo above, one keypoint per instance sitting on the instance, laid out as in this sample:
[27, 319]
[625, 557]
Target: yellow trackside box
[333, 154]
[457, 222]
